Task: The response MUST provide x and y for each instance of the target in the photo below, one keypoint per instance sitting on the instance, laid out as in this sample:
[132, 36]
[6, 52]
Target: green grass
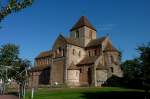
[86, 93]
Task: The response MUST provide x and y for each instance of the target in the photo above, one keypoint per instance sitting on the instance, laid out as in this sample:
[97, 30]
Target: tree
[144, 51]
[13, 67]
[22, 77]
[133, 73]
[13, 6]
[138, 70]
[8, 55]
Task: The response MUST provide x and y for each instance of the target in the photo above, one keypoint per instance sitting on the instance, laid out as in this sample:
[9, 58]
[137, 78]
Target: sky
[35, 28]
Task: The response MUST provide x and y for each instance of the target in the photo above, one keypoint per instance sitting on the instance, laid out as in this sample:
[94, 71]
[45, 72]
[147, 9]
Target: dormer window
[77, 34]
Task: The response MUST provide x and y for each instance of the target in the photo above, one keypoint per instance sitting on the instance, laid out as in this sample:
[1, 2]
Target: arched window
[112, 69]
[79, 53]
[80, 70]
[95, 52]
[112, 58]
[89, 53]
[77, 34]
[59, 49]
[73, 51]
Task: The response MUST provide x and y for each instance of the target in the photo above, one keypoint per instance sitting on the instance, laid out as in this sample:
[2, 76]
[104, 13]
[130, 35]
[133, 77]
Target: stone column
[66, 63]
[94, 83]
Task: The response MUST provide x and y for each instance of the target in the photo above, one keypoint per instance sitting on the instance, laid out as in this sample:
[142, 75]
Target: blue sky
[35, 29]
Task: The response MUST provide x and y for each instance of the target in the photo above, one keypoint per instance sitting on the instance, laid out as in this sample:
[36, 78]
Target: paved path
[8, 97]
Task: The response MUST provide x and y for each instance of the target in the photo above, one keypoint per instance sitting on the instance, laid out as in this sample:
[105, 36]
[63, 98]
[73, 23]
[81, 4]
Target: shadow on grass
[116, 95]
[13, 93]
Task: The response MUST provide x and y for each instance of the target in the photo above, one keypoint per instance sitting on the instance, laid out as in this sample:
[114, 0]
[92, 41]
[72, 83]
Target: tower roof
[83, 21]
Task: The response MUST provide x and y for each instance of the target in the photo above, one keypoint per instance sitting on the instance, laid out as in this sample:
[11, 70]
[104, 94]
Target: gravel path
[8, 97]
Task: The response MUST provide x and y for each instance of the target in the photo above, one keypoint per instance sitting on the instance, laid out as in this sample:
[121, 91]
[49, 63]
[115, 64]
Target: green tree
[13, 67]
[138, 70]
[8, 56]
[133, 73]
[144, 51]
[22, 77]
[13, 6]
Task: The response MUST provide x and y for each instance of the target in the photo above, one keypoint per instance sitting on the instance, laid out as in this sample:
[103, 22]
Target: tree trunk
[3, 87]
[20, 91]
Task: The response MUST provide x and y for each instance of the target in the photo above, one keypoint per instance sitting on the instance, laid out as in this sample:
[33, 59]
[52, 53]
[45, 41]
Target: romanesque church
[82, 59]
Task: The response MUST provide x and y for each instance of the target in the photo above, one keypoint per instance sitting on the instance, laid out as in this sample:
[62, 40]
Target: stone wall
[74, 56]
[57, 71]
[101, 77]
[73, 78]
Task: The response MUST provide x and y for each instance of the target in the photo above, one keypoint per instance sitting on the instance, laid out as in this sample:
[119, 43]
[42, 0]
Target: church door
[89, 76]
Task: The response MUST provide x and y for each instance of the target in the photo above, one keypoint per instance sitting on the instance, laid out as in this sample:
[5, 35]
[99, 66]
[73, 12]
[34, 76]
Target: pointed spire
[83, 21]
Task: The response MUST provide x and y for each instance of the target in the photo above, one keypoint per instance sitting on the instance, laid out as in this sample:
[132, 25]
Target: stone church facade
[81, 59]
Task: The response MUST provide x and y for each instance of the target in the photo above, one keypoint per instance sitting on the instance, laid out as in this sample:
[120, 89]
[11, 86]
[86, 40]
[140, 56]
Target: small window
[112, 58]
[95, 52]
[59, 49]
[89, 53]
[79, 53]
[112, 69]
[80, 70]
[73, 51]
[77, 34]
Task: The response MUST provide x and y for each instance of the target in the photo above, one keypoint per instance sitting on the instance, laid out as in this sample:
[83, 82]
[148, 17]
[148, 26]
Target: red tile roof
[88, 60]
[101, 67]
[40, 68]
[70, 41]
[73, 67]
[96, 42]
[83, 21]
[110, 47]
[44, 54]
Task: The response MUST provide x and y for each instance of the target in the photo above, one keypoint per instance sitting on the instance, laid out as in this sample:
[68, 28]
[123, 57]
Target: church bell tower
[83, 32]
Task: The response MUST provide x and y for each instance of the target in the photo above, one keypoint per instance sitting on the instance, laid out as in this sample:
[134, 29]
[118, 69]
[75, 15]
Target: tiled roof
[110, 47]
[71, 41]
[83, 21]
[44, 54]
[73, 67]
[40, 67]
[101, 67]
[96, 42]
[88, 60]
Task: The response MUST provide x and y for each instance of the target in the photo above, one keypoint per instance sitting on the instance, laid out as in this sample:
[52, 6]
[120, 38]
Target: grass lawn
[87, 93]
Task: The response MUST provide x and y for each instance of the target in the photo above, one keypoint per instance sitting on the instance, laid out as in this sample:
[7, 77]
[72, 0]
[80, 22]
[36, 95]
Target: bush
[114, 81]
